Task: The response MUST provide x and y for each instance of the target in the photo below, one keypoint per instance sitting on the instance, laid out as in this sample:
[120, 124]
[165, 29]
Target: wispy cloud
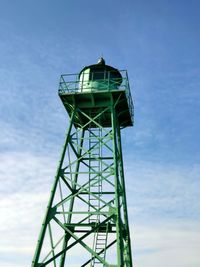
[163, 191]
[172, 243]
[25, 185]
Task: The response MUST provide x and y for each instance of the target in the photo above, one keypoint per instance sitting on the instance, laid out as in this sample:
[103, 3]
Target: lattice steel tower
[86, 223]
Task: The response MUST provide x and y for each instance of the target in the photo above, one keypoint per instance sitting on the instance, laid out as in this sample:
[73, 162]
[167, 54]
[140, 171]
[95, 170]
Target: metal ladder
[95, 183]
[100, 244]
[95, 167]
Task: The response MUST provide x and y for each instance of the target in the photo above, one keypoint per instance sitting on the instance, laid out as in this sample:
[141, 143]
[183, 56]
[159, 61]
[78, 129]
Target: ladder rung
[100, 244]
[99, 247]
[101, 234]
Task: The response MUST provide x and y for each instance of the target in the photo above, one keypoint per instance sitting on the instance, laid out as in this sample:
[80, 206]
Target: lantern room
[99, 77]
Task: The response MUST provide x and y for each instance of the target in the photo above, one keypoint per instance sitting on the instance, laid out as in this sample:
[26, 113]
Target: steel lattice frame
[86, 223]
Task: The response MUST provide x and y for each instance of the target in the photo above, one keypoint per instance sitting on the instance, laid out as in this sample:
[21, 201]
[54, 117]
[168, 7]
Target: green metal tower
[86, 222]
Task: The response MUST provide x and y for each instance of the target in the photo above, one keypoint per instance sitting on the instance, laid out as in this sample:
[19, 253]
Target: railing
[95, 82]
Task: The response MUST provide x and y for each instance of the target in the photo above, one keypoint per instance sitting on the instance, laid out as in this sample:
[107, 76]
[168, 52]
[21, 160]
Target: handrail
[71, 84]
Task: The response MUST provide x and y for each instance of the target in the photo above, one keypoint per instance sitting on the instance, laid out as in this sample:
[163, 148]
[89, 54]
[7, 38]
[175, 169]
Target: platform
[92, 102]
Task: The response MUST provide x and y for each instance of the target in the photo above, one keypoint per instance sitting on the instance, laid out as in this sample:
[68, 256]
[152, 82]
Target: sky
[157, 41]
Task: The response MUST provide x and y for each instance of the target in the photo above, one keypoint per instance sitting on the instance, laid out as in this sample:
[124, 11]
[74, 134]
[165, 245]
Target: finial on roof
[101, 61]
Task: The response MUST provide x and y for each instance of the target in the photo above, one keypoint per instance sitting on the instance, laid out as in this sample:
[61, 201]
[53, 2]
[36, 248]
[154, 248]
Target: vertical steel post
[117, 187]
[47, 217]
[62, 261]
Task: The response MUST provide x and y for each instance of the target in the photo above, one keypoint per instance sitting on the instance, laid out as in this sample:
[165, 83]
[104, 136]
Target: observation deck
[94, 91]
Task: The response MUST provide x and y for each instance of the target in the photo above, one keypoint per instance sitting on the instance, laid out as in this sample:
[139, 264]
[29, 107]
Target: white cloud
[25, 180]
[158, 190]
[174, 243]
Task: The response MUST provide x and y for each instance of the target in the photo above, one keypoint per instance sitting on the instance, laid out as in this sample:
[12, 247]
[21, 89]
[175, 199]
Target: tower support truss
[86, 222]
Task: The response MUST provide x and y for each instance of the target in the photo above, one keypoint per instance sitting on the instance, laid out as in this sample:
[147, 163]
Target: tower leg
[127, 249]
[50, 211]
[66, 239]
[120, 245]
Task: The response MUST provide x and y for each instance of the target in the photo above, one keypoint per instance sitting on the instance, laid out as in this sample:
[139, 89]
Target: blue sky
[158, 43]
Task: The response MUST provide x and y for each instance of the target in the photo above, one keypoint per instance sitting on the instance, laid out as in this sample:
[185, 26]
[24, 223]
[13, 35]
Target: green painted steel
[86, 223]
